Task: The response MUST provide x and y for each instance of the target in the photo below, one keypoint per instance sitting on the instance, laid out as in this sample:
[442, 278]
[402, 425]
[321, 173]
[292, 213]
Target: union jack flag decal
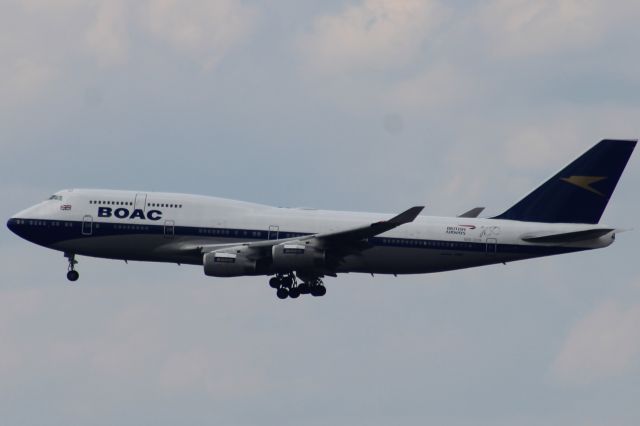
[65, 207]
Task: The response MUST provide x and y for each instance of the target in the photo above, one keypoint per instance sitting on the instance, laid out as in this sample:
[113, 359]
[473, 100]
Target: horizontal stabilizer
[567, 237]
[474, 212]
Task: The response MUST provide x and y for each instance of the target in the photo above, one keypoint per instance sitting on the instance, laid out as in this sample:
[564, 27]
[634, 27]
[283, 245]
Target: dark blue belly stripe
[49, 232]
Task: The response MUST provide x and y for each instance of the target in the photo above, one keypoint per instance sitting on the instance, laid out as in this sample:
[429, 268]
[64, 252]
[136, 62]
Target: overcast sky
[372, 105]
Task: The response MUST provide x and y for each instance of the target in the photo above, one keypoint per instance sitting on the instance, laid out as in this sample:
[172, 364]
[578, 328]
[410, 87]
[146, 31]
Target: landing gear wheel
[274, 282]
[294, 292]
[282, 293]
[320, 291]
[72, 274]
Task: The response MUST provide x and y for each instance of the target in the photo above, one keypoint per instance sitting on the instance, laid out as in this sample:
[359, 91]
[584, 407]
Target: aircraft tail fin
[579, 193]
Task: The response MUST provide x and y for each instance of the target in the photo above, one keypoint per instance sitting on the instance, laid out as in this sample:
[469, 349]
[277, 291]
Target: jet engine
[297, 256]
[231, 262]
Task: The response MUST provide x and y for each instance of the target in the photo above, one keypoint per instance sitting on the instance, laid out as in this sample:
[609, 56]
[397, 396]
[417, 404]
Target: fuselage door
[140, 202]
[87, 225]
[274, 231]
[492, 246]
[169, 229]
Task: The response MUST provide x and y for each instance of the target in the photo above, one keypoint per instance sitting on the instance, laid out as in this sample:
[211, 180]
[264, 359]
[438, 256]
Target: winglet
[406, 216]
[474, 212]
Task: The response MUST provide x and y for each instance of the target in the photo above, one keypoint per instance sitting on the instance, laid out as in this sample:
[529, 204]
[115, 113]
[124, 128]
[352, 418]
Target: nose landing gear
[72, 274]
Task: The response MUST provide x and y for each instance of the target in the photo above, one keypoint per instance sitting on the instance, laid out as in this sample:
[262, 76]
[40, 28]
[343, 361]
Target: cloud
[532, 144]
[537, 145]
[205, 30]
[210, 371]
[606, 343]
[374, 34]
[107, 37]
[523, 27]
[15, 306]
[48, 37]
[436, 87]
[24, 78]
[548, 140]
[476, 129]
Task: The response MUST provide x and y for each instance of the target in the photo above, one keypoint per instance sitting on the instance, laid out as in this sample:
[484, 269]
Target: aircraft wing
[351, 236]
[371, 230]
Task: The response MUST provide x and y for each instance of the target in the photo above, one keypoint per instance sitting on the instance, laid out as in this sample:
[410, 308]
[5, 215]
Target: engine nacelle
[297, 256]
[231, 262]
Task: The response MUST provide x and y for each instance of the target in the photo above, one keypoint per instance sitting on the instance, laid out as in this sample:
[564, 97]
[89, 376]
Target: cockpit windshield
[56, 197]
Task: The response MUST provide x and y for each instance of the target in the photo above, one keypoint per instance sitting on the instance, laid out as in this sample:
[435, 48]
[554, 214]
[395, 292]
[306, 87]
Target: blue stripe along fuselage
[49, 232]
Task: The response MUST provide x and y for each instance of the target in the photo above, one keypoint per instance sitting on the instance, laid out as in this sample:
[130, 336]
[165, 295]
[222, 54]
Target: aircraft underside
[377, 260]
[374, 260]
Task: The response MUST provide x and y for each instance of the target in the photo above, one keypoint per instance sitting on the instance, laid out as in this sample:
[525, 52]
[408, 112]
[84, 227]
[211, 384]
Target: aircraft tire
[73, 275]
[282, 293]
[294, 292]
[274, 282]
[319, 291]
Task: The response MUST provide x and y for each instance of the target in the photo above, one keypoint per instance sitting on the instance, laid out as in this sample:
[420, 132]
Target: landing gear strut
[72, 274]
[287, 286]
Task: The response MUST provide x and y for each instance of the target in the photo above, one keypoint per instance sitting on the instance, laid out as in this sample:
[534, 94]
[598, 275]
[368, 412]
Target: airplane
[299, 247]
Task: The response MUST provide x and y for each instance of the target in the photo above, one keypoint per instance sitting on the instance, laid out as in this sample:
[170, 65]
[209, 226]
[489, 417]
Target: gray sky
[371, 105]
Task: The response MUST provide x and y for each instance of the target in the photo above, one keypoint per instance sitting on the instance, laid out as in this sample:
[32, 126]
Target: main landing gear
[72, 274]
[287, 286]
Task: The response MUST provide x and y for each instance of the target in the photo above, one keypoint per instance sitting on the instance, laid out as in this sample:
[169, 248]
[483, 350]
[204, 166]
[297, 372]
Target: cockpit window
[56, 197]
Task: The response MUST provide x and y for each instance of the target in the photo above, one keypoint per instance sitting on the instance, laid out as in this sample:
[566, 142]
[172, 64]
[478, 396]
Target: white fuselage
[164, 227]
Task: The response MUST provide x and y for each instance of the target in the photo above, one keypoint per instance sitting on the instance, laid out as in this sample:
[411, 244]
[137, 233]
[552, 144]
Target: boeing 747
[297, 248]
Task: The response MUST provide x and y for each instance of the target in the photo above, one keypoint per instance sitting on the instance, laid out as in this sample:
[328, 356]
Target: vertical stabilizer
[579, 193]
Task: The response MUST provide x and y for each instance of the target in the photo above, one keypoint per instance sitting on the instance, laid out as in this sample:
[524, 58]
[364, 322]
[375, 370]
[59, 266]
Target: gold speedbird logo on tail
[585, 182]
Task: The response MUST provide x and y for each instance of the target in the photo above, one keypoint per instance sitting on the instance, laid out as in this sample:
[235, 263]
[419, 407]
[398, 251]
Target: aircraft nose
[12, 224]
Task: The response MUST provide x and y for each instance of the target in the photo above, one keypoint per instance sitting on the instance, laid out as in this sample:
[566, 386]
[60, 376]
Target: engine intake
[297, 256]
[232, 262]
